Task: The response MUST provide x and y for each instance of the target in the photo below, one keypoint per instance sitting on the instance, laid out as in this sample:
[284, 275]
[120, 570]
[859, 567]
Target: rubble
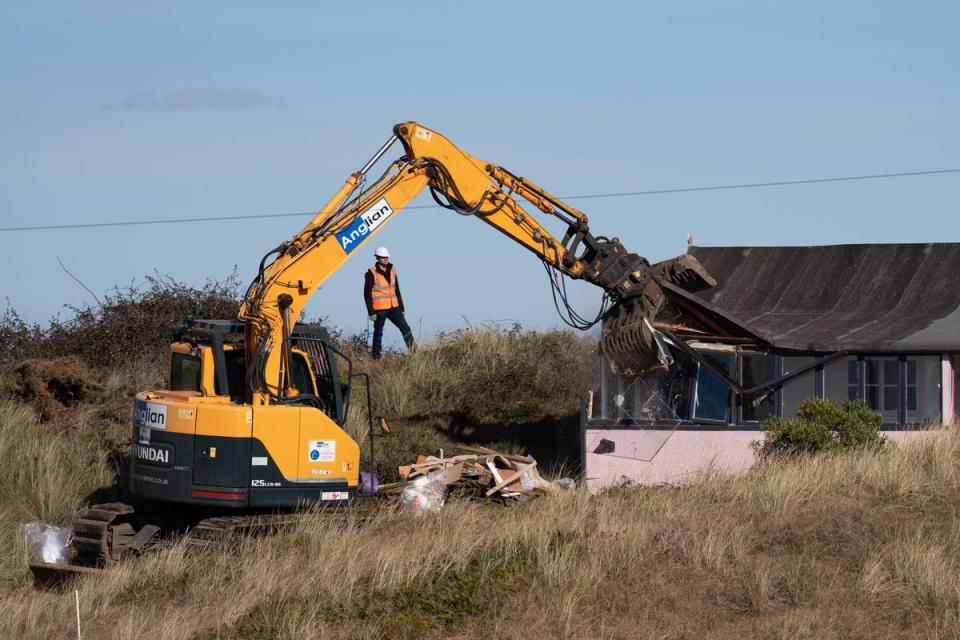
[478, 473]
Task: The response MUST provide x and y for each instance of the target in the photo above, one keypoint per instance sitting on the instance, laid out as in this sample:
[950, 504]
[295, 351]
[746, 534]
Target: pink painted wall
[647, 456]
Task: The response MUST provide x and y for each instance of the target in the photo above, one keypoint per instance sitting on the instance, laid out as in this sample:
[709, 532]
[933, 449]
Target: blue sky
[122, 111]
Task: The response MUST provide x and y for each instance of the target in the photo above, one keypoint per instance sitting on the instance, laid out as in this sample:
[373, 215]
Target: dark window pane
[852, 372]
[873, 398]
[911, 398]
[852, 393]
[766, 408]
[890, 399]
[873, 372]
[236, 373]
[184, 373]
[758, 369]
[723, 360]
[890, 371]
[911, 372]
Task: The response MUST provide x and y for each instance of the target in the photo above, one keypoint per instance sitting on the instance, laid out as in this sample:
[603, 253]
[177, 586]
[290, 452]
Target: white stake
[76, 593]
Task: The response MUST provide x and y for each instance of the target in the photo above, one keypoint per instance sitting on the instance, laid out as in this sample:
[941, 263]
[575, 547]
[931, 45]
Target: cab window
[184, 372]
[236, 374]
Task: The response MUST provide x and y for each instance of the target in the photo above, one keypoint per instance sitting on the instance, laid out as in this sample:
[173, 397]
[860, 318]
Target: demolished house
[874, 322]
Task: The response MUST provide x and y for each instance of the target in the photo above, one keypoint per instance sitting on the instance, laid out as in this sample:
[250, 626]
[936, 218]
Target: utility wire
[755, 185]
[622, 194]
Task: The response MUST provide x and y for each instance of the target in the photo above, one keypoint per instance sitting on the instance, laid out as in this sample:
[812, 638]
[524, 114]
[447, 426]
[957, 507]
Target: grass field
[858, 545]
[854, 545]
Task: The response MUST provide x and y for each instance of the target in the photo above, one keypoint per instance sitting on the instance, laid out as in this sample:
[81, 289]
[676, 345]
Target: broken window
[660, 397]
[756, 369]
[711, 394]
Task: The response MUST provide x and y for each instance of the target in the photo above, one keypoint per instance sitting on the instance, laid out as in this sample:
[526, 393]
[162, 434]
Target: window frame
[902, 385]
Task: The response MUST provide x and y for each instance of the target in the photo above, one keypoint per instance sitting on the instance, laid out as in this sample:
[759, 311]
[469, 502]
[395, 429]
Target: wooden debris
[478, 473]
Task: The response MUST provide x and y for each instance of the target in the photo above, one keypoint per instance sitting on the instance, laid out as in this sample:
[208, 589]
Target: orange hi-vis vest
[383, 295]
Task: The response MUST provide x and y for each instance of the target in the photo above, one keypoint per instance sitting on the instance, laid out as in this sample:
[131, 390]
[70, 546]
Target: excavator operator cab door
[316, 365]
[221, 442]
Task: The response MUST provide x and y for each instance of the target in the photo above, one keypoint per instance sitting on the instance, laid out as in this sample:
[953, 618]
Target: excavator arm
[471, 187]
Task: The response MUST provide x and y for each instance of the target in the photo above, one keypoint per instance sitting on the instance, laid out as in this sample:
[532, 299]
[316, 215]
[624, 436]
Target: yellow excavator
[254, 416]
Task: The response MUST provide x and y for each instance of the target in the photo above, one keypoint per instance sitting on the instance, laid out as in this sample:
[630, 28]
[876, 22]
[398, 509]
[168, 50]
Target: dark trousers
[396, 317]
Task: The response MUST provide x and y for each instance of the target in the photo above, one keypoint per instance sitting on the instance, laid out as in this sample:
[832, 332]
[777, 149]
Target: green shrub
[821, 425]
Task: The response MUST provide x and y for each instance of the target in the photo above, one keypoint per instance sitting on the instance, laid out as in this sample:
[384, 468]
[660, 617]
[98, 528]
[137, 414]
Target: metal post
[902, 390]
[778, 403]
[862, 378]
[76, 594]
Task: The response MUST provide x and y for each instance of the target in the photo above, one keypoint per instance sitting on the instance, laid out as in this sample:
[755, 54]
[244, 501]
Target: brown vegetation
[842, 545]
[132, 324]
[53, 386]
[851, 545]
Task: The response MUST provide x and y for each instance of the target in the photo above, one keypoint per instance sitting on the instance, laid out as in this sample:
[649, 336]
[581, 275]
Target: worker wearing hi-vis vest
[382, 294]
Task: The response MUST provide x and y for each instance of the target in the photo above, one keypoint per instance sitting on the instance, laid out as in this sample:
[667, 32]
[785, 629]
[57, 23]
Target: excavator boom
[472, 187]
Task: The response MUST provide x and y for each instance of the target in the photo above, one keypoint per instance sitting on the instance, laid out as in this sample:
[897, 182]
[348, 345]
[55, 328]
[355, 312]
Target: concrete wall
[652, 456]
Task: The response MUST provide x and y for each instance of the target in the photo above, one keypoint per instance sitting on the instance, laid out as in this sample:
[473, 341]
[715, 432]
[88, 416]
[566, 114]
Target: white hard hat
[382, 252]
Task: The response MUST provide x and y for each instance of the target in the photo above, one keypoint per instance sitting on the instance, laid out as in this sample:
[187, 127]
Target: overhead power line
[589, 196]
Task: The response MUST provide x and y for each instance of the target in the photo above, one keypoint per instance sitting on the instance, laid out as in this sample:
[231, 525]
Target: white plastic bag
[47, 543]
[425, 493]
[529, 479]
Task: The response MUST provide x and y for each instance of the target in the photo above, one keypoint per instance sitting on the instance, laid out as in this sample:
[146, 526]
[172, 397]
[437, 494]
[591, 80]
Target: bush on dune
[489, 376]
[821, 425]
[132, 324]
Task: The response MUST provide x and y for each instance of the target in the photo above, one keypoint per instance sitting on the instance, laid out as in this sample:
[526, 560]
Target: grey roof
[869, 297]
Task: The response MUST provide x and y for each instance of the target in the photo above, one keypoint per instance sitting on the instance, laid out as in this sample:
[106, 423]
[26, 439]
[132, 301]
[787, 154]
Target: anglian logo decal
[363, 225]
[150, 414]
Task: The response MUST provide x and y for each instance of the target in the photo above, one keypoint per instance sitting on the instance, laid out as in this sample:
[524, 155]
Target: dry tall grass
[487, 376]
[842, 546]
[857, 545]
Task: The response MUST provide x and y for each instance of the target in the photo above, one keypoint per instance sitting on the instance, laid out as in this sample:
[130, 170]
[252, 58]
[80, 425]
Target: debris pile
[479, 473]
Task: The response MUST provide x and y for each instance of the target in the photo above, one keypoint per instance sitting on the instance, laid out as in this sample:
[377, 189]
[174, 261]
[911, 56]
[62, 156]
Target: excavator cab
[207, 357]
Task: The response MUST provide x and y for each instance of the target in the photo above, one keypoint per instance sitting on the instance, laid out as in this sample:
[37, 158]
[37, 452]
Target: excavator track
[105, 533]
[215, 532]
[102, 534]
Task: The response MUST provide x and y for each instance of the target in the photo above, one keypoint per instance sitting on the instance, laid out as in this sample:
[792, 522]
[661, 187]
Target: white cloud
[195, 97]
